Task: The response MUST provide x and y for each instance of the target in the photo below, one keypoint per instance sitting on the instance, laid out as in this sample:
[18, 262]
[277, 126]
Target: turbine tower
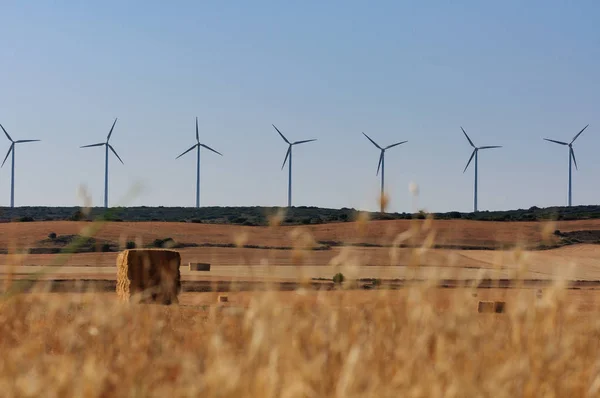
[197, 145]
[381, 164]
[289, 155]
[107, 147]
[571, 158]
[476, 155]
[12, 172]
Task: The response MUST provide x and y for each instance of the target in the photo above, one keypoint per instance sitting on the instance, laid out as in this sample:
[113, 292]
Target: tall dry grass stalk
[410, 343]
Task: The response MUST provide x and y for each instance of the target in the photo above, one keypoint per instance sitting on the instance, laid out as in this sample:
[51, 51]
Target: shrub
[338, 278]
[77, 216]
[52, 235]
[164, 243]
[130, 245]
[26, 219]
[105, 247]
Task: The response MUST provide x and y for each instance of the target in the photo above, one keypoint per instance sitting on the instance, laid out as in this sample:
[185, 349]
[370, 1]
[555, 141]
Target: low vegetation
[255, 216]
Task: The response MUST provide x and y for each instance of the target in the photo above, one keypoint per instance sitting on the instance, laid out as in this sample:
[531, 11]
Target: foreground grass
[90, 345]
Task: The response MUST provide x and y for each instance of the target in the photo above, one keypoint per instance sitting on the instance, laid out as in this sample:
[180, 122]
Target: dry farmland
[313, 338]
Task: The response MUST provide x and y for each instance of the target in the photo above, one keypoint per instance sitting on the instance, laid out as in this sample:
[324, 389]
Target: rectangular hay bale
[149, 276]
[499, 307]
[486, 306]
[199, 267]
[491, 306]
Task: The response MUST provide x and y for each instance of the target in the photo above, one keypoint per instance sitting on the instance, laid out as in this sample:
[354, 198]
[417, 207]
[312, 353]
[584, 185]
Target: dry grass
[89, 345]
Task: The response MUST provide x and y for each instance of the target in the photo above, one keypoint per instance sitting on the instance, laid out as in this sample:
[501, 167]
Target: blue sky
[509, 72]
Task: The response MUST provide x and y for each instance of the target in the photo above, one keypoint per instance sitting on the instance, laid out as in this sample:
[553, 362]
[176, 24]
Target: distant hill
[255, 216]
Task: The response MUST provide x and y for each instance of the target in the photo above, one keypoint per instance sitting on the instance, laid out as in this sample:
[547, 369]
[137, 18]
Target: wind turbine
[107, 147]
[197, 145]
[289, 155]
[381, 164]
[476, 155]
[12, 173]
[571, 157]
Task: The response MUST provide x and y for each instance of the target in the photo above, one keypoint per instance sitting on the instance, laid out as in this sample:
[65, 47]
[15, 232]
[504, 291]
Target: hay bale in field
[149, 276]
[199, 267]
[223, 299]
[491, 306]
[486, 306]
[499, 307]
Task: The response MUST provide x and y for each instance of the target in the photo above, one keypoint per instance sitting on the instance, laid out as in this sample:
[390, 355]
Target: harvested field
[449, 232]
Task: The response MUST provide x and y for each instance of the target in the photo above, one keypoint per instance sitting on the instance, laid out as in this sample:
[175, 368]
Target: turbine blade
[556, 142]
[88, 146]
[380, 161]
[302, 142]
[194, 146]
[111, 130]
[115, 152]
[490, 147]
[5, 132]
[8, 153]
[578, 134]
[470, 142]
[374, 143]
[470, 159]
[396, 144]
[287, 155]
[197, 135]
[573, 156]
[210, 149]
[23, 141]
[281, 134]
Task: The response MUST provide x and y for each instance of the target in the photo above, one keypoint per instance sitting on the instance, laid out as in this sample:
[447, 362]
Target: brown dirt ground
[450, 232]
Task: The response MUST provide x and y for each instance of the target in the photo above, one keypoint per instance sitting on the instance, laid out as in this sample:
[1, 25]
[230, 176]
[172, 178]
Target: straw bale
[199, 267]
[499, 306]
[149, 276]
[491, 306]
[486, 306]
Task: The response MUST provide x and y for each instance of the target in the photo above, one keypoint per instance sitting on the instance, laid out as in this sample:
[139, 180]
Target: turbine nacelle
[198, 144]
[476, 148]
[106, 143]
[13, 143]
[290, 145]
[382, 149]
[570, 145]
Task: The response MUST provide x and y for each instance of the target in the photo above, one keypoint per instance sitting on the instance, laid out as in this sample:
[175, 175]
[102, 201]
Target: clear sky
[509, 72]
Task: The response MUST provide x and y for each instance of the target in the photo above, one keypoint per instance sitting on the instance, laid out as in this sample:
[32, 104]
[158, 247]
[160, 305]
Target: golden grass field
[416, 341]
